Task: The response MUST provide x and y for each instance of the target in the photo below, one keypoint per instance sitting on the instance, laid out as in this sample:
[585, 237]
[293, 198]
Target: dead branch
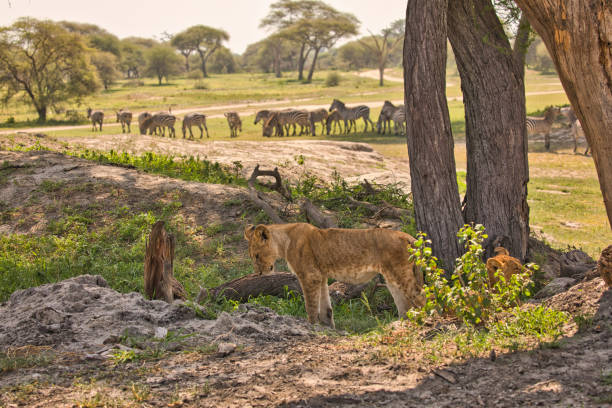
[278, 184]
[385, 210]
[316, 216]
[258, 200]
[159, 280]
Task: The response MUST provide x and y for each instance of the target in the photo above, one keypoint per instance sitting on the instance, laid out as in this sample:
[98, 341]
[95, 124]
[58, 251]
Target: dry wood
[316, 216]
[159, 279]
[274, 284]
[259, 201]
[385, 210]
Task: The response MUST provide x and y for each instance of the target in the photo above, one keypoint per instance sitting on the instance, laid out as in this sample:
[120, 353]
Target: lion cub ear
[248, 231]
[263, 232]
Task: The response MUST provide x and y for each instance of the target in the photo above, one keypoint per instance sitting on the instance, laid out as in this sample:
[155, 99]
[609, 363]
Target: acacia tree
[274, 44]
[46, 62]
[428, 130]
[205, 41]
[105, 64]
[383, 44]
[185, 45]
[578, 36]
[163, 62]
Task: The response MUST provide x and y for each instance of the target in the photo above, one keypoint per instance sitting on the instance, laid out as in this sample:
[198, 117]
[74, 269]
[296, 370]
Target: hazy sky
[240, 18]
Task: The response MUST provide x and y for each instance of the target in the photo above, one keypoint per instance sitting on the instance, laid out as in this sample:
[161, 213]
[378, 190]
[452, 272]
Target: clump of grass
[25, 357]
[191, 168]
[332, 79]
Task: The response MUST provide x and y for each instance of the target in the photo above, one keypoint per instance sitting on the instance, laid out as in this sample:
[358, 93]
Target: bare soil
[269, 360]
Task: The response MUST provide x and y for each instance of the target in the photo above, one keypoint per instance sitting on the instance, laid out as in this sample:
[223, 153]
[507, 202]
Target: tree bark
[312, 67]
[578, 35]
[42, 113]
[496, 139]
[381, 75]
[159, 280]
[521, 42]
[301, 61]
[428, 131]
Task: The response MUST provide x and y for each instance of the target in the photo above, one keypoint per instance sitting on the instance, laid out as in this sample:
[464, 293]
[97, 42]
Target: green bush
[332, 79]
[469, 294]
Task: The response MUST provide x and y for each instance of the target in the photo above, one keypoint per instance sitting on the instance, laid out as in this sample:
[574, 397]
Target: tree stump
[159, 280]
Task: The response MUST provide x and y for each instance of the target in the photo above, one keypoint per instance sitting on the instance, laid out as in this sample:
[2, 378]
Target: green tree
[106, 64]
[353, 55]
[132, 59]
[163, 62]
[383, 44]
[222, 62]
[204, 40]
[185, 45]
[45, 62]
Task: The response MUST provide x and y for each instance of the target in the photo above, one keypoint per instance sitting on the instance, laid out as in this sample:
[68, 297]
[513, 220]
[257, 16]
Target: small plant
[200, 84]
[469, 294]
[10, 120]
[332, 79]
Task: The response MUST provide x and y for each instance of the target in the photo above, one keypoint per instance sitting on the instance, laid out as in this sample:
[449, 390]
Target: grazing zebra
[161, 120]
[543, 125]
[333, 118]
[234, 122]
[384, 119]
[399, 119]
[194, 119]
[576, 131]
[262, 116]
[97, 117]
[319, 115]
[352, 114]
[287, 118]
[125, 118]
[141, 119]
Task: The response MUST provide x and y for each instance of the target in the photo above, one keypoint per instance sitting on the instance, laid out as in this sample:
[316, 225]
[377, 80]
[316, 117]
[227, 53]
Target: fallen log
[316, 216]
[253, 285]
[384, 210]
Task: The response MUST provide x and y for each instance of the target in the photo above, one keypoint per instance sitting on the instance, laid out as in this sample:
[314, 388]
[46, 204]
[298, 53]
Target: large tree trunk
[578, 34]
[428, 130]
[312, 67]
[42, 113]
[496, 139]
[381, 74]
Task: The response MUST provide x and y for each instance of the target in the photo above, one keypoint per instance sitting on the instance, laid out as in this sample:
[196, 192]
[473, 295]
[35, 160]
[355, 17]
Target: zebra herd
[285, 122]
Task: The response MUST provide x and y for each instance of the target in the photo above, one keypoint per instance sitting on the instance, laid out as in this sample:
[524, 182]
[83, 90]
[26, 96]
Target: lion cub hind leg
[326, 313]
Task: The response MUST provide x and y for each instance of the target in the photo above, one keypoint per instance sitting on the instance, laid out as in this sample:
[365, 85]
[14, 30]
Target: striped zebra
[161, 121]
[399, 120]
[319, 115]
[286, 119]
[576, 130]
[262, 116]
[543, 125]
[125, 118]
[234, 122]
[334, 119]
[385, 117]
[194, 119]
[96, 117]
[352, 114]
[141, 119]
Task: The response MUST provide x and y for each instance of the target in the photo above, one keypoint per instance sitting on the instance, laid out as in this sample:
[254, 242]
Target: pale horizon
[240, 18]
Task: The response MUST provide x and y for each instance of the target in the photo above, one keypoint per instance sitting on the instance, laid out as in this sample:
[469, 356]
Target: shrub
[333, 79]
[195, 74]
[133, 83]
[468, 295]
[200, 84]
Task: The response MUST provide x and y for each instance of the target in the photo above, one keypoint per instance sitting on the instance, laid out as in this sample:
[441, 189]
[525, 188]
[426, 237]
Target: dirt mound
[84, 314]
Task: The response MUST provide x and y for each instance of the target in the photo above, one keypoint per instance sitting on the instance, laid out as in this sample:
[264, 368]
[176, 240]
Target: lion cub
[502, 260]
[348, 255]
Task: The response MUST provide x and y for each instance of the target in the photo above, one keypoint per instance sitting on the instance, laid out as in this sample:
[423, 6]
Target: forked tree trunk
[578, 35]
[312, 67]
[428, 130]
[301, 61]
[496, 139]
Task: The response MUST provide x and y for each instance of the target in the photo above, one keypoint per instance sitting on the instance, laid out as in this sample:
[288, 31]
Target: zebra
[352, 114]
[125, 118]
[141, 119]
[319, 115]
[576, 131]
[384, 119]
[262, 116]
[97, 117]
[234, 122]
[333, 118]
[194, 119]
[161, 120]
[288, 118]
[543, 125]
[399, 119]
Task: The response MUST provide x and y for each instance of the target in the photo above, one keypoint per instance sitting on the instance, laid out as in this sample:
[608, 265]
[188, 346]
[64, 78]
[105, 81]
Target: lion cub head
[261, 249]
[504, 262]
